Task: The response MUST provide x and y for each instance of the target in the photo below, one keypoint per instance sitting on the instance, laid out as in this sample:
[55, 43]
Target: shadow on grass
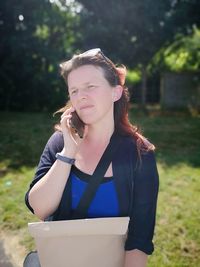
[24, 135]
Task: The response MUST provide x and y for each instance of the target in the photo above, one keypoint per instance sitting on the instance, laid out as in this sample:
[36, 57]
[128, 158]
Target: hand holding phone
[77, 124]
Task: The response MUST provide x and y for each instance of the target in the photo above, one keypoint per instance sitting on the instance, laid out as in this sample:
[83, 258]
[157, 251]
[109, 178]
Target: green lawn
[177, 138]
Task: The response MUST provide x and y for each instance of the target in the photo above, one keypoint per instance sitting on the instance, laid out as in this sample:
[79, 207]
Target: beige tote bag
[81, 243]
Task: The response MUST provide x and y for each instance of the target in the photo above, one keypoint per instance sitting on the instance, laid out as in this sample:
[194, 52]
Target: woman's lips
[86, 107]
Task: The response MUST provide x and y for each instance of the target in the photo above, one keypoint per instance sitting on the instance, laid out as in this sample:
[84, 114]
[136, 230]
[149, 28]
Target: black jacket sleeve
[143, 211]
[48, 157]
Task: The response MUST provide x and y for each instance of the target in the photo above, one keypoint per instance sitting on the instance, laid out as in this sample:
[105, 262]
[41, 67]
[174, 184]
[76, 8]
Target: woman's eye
[91, 86]
[73, 92]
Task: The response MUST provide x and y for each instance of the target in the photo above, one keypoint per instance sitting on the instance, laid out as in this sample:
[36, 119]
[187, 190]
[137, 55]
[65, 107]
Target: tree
[36, 36]
[132, 31]
[184, 15]
[181, 55]
[129, 31]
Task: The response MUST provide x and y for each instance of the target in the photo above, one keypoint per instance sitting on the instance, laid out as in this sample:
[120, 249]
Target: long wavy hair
[115, 76]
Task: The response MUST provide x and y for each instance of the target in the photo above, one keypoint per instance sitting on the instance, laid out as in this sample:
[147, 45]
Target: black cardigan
[136, 184]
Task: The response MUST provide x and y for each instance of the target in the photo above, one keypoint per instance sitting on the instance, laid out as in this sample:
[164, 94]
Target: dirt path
[5, 260]
[11, 253]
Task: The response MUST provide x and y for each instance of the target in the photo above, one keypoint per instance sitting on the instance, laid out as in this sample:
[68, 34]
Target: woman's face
[90, 94]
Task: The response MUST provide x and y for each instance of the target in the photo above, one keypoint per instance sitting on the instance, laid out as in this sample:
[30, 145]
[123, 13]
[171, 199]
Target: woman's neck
[100, 134]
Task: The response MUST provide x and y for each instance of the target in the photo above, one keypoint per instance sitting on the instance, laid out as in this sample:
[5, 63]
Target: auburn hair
[115, 76]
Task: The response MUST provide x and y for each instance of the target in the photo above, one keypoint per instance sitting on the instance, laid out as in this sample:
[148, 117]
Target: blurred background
[159, 43]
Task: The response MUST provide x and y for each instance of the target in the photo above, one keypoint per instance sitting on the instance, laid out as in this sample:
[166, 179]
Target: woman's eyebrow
[85, 84]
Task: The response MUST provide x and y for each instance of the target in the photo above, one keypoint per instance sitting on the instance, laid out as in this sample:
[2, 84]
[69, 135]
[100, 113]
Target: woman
[130, 186]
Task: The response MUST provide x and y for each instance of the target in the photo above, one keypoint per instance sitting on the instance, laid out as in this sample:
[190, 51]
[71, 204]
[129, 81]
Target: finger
[72, 109]
[65, 122]
[68, 121]
[73, 134]
[65, 118]
[68, 111]
[80, 139]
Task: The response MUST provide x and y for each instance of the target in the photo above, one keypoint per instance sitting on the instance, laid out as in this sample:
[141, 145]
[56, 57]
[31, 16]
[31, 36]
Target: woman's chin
[88, 120]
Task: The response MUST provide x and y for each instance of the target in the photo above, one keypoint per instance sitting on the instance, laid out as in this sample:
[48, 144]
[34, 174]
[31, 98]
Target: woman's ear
[117, 92]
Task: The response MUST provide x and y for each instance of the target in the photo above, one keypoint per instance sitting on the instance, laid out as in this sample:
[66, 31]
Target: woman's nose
[82, 94]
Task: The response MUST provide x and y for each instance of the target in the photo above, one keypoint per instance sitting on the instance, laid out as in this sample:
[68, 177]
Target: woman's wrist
[65, 159]
[68, 153]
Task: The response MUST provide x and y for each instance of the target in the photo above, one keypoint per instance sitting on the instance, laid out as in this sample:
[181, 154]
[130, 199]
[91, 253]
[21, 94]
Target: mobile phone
[77, 124]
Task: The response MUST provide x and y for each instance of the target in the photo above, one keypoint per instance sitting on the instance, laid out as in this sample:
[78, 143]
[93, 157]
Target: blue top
[105, 202]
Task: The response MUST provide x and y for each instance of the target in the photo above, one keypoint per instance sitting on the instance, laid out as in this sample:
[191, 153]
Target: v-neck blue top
[105, 201]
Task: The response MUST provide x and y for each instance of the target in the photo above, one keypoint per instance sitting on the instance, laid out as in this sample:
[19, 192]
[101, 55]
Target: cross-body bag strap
[98, 175]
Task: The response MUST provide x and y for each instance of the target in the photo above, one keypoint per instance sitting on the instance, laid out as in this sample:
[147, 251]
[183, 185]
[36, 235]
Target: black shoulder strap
[97, 177]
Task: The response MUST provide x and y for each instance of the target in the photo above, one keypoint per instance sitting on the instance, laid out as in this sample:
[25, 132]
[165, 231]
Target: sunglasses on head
[94, 52]
[91, 52]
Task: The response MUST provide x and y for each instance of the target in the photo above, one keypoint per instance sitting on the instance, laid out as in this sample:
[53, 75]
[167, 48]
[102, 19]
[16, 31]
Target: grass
[177, 237]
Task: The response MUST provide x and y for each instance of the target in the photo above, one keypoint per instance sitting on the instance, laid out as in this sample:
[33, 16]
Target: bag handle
[98, 175]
